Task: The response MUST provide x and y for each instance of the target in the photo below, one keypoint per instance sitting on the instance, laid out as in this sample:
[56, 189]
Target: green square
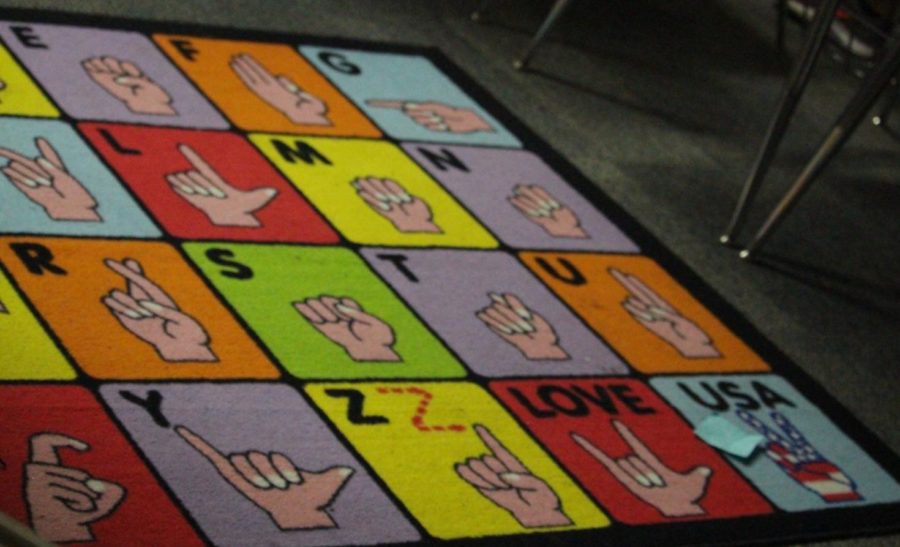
[262, 282]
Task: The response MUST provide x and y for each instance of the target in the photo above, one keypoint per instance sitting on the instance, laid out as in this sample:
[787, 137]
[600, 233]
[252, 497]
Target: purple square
[453, 290]
[242, 417]
[54, 54]
[486, 181]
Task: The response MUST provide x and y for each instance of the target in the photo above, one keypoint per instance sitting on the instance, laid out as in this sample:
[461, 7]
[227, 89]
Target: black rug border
[793, 527]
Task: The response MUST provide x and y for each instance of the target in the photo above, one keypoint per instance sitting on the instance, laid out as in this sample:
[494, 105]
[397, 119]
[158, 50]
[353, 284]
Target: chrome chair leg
[849, 119]
[558, 8]
[478, 14]
[881, 118]
[777, 127]
[780, 24]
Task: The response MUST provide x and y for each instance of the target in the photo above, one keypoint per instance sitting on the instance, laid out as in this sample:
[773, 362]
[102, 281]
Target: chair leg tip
[475, 16]
[724, 239]
[518, 64]
[745, 254]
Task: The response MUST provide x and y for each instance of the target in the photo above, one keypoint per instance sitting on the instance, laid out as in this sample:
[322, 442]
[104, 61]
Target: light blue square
[406, 78]
[696, 397]
[120, 214]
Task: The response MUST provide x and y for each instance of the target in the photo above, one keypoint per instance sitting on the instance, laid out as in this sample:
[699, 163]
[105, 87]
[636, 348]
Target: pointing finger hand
[45, 445]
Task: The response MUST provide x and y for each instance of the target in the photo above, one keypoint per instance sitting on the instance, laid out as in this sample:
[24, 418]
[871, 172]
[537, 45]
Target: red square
[630, 450]
[208, 184]
[84, 481]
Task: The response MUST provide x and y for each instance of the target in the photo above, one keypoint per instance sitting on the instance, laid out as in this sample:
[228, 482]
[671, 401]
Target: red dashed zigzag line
[418, 419]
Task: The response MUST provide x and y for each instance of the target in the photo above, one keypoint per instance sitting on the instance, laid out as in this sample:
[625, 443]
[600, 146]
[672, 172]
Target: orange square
[644, 314]
[266, 87]
[132, 310]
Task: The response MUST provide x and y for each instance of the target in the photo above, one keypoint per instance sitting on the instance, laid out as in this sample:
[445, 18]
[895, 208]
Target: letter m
[299, 151]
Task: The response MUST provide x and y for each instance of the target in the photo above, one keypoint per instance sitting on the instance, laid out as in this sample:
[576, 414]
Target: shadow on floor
[695, 35]
[669, 62]
[883, 299]
[633, 104]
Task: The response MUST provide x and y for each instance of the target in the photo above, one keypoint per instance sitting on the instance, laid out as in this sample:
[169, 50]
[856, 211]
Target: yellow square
[28, 353]
[325, 170]
[19, 94]
[418, 437]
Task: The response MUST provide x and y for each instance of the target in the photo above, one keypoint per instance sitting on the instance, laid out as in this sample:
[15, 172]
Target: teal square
[119, 214]
[366, 76]
[780, 410]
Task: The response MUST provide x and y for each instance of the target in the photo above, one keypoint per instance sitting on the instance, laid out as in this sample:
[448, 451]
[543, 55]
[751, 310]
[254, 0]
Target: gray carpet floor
[662, 105]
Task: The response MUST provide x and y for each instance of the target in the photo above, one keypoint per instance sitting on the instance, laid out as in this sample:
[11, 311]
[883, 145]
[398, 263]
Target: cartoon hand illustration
[224, 204]
[673, 494]
[151, 315]
[540, 207]
[362, 335]
[45, 181]
[126, 82]
[294, 498]
[406, 212]
[659, 317]
[801, 461]
[280, 92]
[501, 478]
[510, 319]
[438, 116]
[62, 501]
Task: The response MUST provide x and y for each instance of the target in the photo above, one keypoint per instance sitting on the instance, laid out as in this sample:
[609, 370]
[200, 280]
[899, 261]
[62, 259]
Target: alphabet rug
[261, 289]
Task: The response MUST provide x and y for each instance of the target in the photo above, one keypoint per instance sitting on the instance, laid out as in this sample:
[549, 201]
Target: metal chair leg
[881, 118]
[479, 12]
[558, 8]
[781, 16]
[15, 534]
[849, 119]
[788, 103]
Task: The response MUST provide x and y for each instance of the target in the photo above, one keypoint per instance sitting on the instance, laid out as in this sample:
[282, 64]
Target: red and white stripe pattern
[801, 461]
